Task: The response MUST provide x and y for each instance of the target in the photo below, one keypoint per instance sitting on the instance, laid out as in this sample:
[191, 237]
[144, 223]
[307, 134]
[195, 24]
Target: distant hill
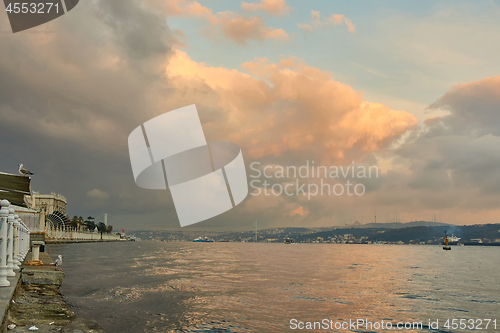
[399, 225]
[413, 233]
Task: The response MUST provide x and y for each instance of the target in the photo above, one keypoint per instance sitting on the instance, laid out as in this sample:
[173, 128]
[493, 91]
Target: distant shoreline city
[418, 232]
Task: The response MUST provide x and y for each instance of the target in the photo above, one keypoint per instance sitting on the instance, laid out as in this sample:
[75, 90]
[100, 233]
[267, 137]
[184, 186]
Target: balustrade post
[42, 224]
[10, 241]
[4, 214]
[26, 240]
[20, 230]
[15, 252]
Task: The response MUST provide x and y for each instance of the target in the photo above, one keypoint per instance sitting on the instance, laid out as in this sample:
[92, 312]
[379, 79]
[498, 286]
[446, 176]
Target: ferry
[203, 240]
[452, 240]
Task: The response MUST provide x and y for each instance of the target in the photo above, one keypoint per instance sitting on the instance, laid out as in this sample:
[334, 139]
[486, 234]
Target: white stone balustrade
[74, 234]
[14, 242]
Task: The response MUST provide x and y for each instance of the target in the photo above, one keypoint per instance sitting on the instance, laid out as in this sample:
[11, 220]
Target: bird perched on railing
[23, 171]
[58, 261]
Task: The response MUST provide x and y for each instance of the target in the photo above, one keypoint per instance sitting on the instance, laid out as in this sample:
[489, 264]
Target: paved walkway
[6, 294]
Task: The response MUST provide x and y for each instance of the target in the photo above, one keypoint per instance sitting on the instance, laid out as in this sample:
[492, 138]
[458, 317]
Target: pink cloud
[299, 212]
[333, 20]
[240, 28]
[234, 26]
[288, 107]
[273, 7]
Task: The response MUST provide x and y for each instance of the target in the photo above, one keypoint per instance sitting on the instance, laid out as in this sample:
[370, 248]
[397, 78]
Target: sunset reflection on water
[246, 287]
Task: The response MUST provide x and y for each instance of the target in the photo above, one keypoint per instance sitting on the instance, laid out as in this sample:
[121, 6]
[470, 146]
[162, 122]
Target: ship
[289, 241]
[452, 240]
[203, 240]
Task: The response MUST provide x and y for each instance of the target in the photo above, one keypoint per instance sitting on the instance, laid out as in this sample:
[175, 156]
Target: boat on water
[224, 241]
[453, 240]
[203, 240]
[446, 246]
[289, 241]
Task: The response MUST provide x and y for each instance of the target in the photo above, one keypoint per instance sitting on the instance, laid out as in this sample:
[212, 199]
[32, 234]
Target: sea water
[268, 287]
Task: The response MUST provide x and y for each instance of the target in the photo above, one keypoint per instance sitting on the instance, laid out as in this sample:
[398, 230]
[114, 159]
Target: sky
[409, 87]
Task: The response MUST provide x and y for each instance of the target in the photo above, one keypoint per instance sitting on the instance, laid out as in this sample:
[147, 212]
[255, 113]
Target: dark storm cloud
[70, 97]
[474, 107]
[140, 32]
[459, 153]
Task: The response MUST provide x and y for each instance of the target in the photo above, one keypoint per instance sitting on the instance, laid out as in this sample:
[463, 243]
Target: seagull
[58, 261]
[23, 171]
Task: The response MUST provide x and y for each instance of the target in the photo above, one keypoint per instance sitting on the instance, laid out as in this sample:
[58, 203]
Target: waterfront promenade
[28, 274]
[74, 235]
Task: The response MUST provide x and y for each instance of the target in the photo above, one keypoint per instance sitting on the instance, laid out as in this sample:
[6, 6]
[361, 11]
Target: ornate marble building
[50, 203]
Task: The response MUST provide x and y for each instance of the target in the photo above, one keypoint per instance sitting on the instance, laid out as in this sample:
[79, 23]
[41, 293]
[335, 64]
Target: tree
[74, 222]
[101, 227]
[90, 224]
[109, 229]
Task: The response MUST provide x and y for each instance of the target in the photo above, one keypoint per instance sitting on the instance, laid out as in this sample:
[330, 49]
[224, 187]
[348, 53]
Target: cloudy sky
[410, 87]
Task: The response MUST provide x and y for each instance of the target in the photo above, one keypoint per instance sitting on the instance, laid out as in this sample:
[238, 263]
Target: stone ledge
[44, 307]
[42, 275]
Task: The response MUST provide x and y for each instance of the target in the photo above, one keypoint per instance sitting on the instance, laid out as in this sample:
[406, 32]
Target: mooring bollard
[4, 214]
[35, 253]
[10, 248]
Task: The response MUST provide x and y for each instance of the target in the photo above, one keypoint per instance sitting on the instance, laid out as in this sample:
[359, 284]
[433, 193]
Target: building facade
[50, 203]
